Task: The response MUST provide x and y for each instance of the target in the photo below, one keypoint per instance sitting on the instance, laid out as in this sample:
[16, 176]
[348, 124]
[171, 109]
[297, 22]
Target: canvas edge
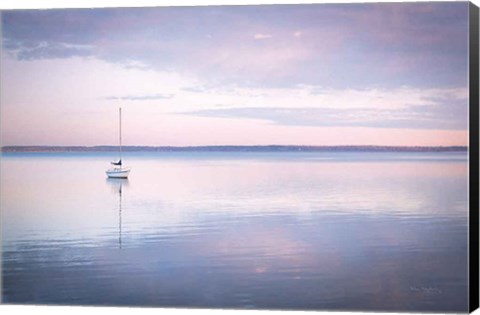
[473, 157]
[1, 212]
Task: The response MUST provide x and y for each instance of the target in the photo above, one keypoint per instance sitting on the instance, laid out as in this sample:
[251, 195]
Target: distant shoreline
[237, 148]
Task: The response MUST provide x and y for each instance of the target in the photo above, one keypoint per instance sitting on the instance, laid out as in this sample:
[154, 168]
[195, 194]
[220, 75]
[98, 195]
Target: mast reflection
[117, 185]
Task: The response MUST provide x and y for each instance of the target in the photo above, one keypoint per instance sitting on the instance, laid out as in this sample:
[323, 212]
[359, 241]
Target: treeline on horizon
[236, 148]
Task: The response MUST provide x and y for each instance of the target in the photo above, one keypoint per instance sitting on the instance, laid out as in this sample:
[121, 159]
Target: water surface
[285, 230]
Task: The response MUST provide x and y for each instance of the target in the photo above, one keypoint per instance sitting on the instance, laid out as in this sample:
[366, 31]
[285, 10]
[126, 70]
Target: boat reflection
[117, 185]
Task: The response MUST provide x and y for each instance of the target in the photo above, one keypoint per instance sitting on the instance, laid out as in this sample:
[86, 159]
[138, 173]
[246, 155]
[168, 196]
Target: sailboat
[118, 171]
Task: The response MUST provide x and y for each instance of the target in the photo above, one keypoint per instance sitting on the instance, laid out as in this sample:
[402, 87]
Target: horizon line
[270, 147]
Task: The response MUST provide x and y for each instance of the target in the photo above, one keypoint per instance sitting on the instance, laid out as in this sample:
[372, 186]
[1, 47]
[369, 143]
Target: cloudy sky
[323, 74]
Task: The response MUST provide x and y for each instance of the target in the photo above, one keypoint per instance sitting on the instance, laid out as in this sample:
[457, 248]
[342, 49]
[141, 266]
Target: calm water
[338, 231]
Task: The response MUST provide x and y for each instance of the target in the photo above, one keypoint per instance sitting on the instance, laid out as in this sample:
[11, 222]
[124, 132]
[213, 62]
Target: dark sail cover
[119, 163]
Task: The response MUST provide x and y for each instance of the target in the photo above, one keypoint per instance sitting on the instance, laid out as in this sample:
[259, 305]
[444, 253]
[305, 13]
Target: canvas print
[295, 157]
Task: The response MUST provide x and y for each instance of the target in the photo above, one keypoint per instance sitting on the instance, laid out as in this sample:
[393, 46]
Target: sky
[318, 74]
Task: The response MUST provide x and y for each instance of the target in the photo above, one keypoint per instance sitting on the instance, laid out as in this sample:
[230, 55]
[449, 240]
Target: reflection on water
[117, 184]
[293, 231]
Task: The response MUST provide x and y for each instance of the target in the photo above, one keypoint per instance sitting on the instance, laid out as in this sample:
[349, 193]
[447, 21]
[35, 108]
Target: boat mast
[120, 136]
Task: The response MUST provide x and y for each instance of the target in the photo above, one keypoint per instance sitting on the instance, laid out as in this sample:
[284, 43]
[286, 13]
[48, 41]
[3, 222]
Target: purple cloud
[140, 97]
[336, 45]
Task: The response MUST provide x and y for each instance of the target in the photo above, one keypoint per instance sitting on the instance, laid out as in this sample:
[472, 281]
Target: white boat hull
[118, 172]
